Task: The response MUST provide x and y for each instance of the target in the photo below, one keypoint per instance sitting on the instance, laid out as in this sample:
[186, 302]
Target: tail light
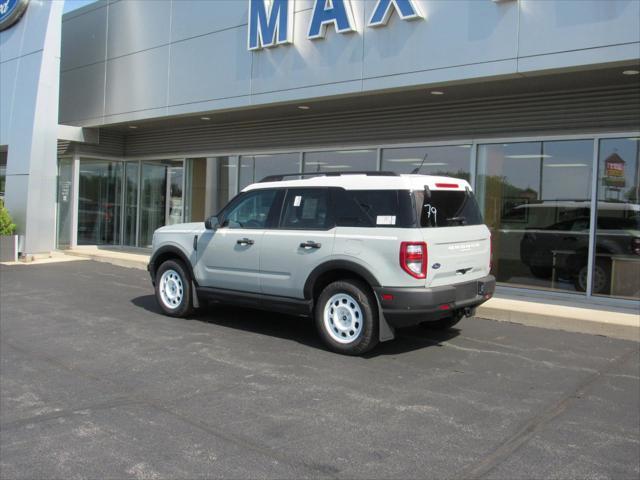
[635, 245]
[413, 258]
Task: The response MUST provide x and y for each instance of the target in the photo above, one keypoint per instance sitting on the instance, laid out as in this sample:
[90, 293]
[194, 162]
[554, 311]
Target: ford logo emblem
[11, 11]
[436, 266]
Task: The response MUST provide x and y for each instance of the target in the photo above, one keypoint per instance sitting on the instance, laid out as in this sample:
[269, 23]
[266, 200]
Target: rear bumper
[411, 306]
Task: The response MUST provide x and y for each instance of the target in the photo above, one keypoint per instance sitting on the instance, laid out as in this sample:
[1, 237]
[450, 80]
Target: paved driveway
[96, 383]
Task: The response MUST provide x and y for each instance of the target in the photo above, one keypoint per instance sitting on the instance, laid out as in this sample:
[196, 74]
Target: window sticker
[297, 201]
[386, 220]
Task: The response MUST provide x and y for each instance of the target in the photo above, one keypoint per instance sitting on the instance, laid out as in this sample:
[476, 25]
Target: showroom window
[536, 200]
[341, 161]
[450, 161]
[254, 168]
[616, 266]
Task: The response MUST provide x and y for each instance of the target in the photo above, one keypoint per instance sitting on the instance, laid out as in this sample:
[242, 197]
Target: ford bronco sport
[362, 253]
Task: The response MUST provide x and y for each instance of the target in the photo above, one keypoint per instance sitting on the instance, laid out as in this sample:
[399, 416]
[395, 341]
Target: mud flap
[194, 293]
[386, 331]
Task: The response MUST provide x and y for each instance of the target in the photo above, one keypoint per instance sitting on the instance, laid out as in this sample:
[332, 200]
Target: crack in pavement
[522, 435]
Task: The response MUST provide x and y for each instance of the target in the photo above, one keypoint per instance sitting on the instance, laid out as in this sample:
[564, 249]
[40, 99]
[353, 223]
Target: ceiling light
[567, 165]
[338, 166]
[315, 163]
[527, 156]
[436, 92]
[631, 72]
[132, 127]
[464, 146]
[205, 118]
[304, 107]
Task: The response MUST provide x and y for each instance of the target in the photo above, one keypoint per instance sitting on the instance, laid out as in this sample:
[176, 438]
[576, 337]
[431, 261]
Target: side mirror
[211, 223]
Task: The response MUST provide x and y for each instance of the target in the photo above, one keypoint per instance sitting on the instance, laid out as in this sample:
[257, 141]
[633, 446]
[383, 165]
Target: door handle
[245, 241]
[310, 244]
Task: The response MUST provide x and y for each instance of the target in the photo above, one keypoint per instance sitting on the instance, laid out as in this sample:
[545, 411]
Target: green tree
[7, 227]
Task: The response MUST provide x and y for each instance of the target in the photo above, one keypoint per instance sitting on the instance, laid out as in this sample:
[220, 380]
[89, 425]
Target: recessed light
[436, 92]
[631, 72]
[205, 118]
[133, 127]
[304, 107]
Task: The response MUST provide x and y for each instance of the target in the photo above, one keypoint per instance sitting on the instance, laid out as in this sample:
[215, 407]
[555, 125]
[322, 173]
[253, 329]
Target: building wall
[137, 59]
[29, 78]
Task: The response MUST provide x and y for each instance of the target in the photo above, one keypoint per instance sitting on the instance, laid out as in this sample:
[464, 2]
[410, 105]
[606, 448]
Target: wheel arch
[333, 270]
[169, 252]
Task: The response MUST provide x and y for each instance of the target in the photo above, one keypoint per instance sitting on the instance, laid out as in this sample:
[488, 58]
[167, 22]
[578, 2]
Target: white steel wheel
[343, 318]
[171, 289]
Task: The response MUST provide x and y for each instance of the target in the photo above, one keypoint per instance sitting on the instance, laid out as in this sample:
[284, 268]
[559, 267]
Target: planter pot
[9, 248]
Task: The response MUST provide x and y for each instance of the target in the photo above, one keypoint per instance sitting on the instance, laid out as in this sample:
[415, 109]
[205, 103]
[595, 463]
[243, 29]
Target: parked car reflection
[560, 250]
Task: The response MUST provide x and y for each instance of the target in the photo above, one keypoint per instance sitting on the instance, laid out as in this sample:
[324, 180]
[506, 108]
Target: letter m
[270, 23]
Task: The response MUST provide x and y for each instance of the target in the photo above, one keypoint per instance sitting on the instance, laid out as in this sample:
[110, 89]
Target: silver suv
[363, 254]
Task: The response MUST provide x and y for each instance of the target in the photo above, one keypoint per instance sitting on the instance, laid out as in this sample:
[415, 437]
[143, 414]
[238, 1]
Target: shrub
[7, 227]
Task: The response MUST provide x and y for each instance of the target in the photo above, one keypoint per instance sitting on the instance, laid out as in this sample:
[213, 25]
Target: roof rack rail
[282, 176]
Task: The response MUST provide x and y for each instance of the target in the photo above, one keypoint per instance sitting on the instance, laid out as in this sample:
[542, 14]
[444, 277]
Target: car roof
[369, 182]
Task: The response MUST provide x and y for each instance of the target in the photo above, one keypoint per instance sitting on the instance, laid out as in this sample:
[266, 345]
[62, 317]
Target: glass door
[160, 197]
[130, 209]
[99, 202]
[175, 177]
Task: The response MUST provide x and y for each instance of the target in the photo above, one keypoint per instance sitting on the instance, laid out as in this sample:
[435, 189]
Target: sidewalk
[557, 314]
[129, 258]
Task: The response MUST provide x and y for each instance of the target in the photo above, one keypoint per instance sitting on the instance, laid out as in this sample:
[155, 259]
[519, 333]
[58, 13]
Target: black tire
[364, 317]
[443, 323]
[541, 272]
[184, 296]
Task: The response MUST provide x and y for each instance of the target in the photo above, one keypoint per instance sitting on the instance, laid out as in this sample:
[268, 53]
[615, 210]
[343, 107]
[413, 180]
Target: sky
[73, 4]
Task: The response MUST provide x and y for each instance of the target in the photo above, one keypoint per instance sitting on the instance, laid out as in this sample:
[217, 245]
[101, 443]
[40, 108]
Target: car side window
[252, 211]
[307, 209]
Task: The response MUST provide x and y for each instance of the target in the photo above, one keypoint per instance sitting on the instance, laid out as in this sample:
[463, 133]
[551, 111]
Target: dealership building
[127, 115]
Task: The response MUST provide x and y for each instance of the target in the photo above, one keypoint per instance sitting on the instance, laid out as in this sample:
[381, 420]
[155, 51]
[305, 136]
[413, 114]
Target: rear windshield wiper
[460, 220]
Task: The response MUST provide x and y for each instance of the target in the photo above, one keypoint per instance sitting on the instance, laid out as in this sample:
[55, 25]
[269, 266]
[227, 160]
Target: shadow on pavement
[300, 329]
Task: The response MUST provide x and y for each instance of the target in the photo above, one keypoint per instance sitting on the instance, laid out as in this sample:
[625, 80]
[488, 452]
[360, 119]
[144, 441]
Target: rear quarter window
[374, 208]
[447, 208]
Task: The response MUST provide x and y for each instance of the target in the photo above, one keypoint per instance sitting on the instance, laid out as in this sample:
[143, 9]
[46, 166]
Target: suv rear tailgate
[456, 254]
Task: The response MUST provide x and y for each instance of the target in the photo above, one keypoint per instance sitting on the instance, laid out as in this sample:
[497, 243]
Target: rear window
[447, 208]
[374, 208]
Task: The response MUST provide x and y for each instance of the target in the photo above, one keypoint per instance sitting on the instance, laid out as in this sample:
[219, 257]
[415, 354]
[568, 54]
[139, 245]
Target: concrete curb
[595, 321]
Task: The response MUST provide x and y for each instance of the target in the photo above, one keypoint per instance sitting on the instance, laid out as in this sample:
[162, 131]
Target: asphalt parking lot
[95, 383]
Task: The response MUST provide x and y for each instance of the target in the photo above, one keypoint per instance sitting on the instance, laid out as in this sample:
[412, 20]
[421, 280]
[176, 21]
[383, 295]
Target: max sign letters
[271, 21]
